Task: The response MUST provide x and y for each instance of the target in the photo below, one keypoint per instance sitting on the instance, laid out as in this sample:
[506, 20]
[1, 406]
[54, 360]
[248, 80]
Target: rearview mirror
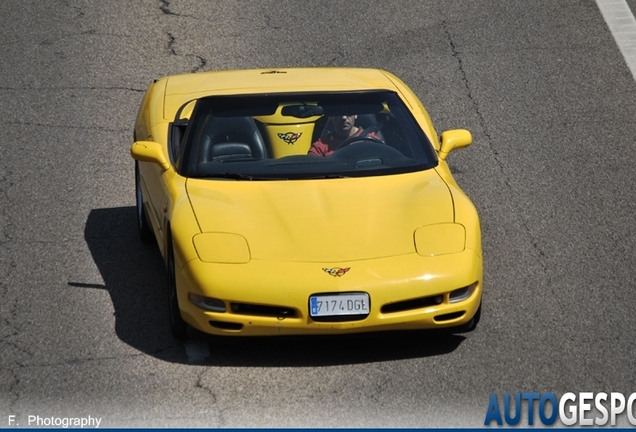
[149, 151]
[454, 139]
[302, 111]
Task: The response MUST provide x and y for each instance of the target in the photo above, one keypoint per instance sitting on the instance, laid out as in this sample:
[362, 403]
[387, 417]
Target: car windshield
[303, 136]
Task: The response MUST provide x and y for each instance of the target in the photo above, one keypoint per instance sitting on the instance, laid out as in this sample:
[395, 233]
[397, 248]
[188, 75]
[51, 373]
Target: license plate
[324, 305]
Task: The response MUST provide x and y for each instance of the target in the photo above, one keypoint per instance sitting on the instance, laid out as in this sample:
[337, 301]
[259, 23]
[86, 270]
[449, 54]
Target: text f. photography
[37, 421]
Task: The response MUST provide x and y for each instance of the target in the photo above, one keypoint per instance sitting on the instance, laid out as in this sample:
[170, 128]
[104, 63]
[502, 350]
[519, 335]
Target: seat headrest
[230, 150]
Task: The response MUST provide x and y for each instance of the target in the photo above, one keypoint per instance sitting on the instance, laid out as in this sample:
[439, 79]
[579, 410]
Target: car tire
[477, 316]
[145, 233]
[178, 326]
[472, 324]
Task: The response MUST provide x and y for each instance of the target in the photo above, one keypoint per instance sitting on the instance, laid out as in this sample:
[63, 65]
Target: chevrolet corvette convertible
[309, 201]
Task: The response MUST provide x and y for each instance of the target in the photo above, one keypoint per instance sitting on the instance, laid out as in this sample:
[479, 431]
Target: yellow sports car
[304, 201]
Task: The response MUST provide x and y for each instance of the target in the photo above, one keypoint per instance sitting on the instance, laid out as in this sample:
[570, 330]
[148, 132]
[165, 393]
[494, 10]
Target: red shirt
[328, 144]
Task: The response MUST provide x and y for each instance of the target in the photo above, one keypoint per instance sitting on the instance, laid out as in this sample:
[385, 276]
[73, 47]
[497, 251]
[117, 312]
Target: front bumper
[265, 298]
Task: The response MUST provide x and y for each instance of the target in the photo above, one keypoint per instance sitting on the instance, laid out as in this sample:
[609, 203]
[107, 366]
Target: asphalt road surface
[541, 85]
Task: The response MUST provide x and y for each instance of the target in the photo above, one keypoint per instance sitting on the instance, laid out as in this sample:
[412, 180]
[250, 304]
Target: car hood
[326, 221]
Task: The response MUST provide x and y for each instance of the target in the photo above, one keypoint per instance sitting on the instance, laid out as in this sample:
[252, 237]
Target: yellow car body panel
[267, 246]
[317, 221]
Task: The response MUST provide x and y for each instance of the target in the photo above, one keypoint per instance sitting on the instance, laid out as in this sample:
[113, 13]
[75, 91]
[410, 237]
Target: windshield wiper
[329, 176]
[235, 176]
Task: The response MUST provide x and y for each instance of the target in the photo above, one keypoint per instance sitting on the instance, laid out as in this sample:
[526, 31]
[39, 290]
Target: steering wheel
[360, 138]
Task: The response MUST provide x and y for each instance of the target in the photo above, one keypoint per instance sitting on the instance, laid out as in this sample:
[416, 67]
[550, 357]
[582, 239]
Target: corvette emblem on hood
[336, 271]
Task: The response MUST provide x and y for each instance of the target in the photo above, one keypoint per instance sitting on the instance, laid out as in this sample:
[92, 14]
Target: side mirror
[149, 151]
[454, 139]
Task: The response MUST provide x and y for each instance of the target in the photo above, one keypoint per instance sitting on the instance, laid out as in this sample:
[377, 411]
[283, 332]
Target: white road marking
[197, 351]
[621, 22]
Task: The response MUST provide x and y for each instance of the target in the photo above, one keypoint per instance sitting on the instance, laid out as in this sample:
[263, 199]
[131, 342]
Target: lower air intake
[449, 316]
[406, 305]
[261, 310]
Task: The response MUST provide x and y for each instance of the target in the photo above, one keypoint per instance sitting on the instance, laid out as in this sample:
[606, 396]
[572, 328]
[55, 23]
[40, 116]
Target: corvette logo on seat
[290, 137]
[336, 271]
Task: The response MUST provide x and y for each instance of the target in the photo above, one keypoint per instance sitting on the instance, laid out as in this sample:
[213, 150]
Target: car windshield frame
[394, 144]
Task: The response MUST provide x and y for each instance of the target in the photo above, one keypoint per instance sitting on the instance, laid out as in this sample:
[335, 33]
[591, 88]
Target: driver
[344, 128]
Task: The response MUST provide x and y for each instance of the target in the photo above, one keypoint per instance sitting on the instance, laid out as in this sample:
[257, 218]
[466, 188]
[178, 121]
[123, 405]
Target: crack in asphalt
[14, 382]
[202, 63]
[171, 41]
[84, 360]
[10, 322]
[483, 124]
[77, 9]
[99, 128]
[165, 8]
[5, 184]
[201, 386]
[8, 308]
[16, 346]
[171, 49]
[268, 23]
[47, 42]
[54, 40]
[339, 55]
[28, 88]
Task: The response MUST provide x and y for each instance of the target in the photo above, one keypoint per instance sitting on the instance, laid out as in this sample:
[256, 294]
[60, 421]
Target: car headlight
[462, 293]
[440, 239]
[223, 248]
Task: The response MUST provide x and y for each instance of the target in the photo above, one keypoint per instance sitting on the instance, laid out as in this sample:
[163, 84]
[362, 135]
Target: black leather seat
[230, 150]
[229, 138]
[367, 121]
